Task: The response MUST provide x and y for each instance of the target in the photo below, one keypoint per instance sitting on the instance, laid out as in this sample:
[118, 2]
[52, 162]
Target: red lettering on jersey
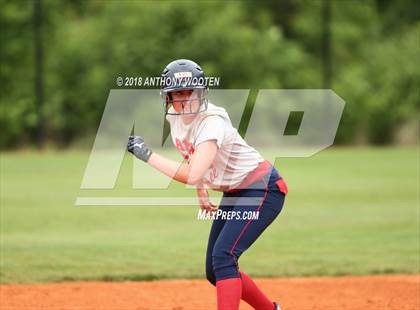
[185, 148]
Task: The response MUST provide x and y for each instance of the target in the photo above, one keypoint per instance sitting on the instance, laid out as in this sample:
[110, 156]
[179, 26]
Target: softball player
[217, 157]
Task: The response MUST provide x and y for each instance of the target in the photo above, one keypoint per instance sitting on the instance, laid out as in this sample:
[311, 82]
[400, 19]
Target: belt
[255, 175]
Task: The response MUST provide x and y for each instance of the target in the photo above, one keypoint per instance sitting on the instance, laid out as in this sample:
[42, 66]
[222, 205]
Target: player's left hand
[138, 148]
[204, 200]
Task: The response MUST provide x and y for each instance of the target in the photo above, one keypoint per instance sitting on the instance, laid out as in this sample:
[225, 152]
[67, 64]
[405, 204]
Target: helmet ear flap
[167, 101]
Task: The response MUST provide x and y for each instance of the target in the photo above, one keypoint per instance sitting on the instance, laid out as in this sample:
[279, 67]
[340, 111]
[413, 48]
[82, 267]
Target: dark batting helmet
[184, 74]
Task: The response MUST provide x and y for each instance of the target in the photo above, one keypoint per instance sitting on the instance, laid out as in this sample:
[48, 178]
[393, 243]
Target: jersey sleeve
[211, 128]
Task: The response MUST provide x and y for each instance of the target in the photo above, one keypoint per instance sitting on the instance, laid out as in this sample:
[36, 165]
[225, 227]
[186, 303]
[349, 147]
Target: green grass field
[350, 211]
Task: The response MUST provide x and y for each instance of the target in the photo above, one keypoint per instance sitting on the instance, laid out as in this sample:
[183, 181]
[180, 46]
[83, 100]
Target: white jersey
[234, 158]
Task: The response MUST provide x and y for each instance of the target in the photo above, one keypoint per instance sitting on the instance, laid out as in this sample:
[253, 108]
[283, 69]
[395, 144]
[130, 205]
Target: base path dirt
[341, 293]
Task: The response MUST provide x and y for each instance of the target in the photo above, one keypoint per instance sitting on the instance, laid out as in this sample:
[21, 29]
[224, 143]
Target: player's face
[186, 103]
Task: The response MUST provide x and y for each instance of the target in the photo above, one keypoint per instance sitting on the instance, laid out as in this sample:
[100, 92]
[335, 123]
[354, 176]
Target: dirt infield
[362, 293]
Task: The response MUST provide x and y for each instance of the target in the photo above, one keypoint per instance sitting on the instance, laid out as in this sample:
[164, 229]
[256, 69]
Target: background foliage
[374, 52]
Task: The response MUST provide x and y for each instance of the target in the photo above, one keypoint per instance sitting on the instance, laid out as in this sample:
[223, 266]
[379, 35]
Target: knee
[222, 256]
[223, 261]
[224, 265]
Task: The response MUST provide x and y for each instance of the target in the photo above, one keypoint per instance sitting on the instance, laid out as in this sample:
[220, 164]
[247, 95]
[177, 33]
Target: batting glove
[138, 148]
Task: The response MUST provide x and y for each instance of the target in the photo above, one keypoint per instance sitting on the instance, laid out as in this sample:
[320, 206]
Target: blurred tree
[17, 110]
[397, 15]
[252, 45]
[394, 78]
[372, 67]
[326, 44]
[39, 70]
[132, 40]
[279, 13]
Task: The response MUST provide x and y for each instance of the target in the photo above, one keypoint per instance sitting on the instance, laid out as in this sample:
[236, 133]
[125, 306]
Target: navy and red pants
[229, 238]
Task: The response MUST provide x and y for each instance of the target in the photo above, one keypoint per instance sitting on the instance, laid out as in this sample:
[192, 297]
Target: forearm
[173, 169]
[191, 173]
[200, 187]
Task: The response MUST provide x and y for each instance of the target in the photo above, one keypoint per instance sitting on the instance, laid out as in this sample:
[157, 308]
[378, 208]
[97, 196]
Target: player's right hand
[138, 148]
